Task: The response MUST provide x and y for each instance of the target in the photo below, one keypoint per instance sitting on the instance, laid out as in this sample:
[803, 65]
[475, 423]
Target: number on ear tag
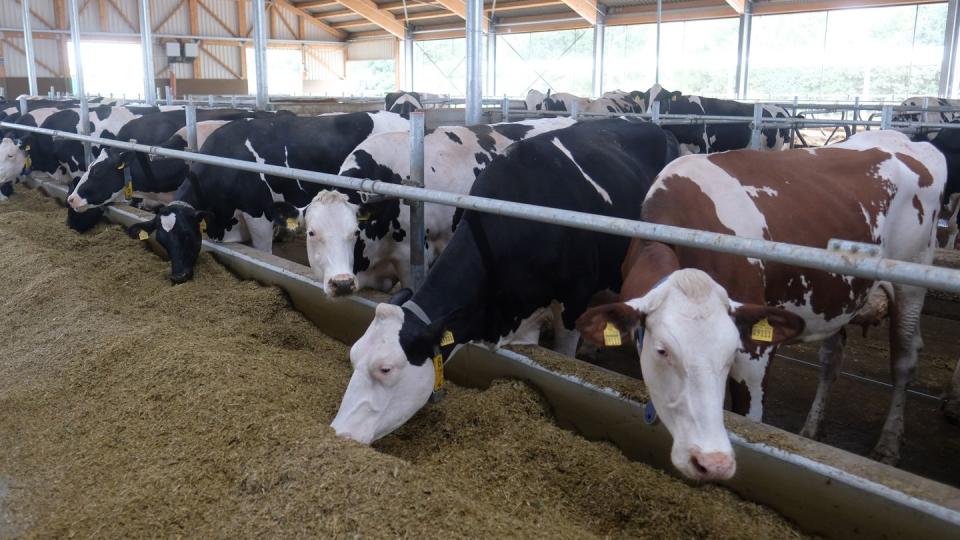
[128, 190]
[762, 331]
[438, 372]
[292, 224]
[203, 225]
[447, 339]
[143, 235]
[611, 336]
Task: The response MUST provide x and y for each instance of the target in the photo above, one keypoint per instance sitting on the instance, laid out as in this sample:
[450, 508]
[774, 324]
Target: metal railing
[840, 257]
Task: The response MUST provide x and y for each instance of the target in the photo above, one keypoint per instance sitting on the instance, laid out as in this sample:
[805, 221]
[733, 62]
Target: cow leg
[261, 232]
[905, 342]
[750, 371]
[951, 401]
[831, 358]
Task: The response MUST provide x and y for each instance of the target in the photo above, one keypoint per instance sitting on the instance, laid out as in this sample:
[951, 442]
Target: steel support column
[599, 31]
[656, 72]
[743, 51]
[78, 89]
[491, 73]
[260, 52]
[951, 39]
[408, 60]
[474, 93]
[28, 49]
[146, 46]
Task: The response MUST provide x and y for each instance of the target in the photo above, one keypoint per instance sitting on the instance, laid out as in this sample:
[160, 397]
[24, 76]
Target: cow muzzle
[181, 277]
[342, 285]
[709, 466]
[76, 202]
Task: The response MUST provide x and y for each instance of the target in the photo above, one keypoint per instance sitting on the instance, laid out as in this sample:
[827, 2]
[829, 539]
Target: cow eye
[662, 352]
[310, 233]
[385, 370]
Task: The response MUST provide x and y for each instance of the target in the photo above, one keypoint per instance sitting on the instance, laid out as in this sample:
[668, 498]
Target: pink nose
[713, 465]
[73, 201]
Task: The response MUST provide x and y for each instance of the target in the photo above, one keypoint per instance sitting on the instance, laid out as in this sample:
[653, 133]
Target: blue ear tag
[641, 331]
[650, 414]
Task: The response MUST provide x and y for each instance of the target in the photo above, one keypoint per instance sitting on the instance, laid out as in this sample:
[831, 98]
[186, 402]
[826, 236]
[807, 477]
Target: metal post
[28, 49]
[886, 117]
[474, 94]
[408, 60]
[417, 227]
[52, 93]
[168, 95]
[743, 51]
[492, 59]
[793, 128]
[505, 109]
[856, 113]
[574, 110]
[210, 101]
[599, 30]
[656, 62]
[78, 89]
[191, 121]
[951, 41]
[260, 52]
[146, 50]
[23, 105]
[655, 112]
[755, 131]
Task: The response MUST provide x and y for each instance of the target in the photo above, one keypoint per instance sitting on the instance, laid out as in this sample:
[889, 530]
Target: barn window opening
[371, 77]
[121, 77]
[285, 71]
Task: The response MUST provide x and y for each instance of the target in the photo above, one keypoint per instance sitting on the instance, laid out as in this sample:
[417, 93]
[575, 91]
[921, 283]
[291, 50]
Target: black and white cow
[403, 103]
[374, 250]
[236, 204]
[561, 101]
[13, 108]
[497, 271]
[618, 101]
[104, 181]
[706, 138]
[13, 158]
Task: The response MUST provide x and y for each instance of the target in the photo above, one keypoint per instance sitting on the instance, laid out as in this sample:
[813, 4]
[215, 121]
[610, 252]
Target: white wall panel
[324, 63]
[179, 23]
[381, 49]
[225, 10]
[228, 54]
[45, 51]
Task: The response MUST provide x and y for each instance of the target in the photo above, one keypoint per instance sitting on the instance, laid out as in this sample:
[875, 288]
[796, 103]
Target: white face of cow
[386, 389]
[331, 223]
[12, 159]
[692, 333]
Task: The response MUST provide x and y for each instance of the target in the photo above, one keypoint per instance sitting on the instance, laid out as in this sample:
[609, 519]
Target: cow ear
[766, 325]
[288, 216]
[623, 318]
[401, 296]
[147, 226]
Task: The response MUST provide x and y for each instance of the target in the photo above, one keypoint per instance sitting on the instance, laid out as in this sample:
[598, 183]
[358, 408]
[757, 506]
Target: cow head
[331, 226]
[692, 332]
[393, 376]
[13, 158]
[403, 103]
[665, 97]
[101, 183]
[177, 229]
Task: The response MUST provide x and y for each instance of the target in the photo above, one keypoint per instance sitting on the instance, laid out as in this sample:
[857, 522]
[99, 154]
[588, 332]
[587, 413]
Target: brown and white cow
[702, 310]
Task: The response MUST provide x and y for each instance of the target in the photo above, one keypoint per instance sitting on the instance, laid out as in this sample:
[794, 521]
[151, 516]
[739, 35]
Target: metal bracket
[854, 248]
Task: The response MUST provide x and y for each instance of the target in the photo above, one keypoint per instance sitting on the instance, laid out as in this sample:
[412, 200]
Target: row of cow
[706, 316]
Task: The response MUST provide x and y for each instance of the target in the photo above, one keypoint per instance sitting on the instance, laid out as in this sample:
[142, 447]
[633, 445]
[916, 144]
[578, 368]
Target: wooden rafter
[285, 4]
[60, 16]
[426, 15]
[242, 32]
[169, 15]
[380, 17]
[459, 7]
[584, 8]
[351, 24]
[317, 4]
[219, 62]
[104, 15]
[286, 23]
[737, 5]
[83, 7]
[217, 18]
[134, 27]
[194, 30]
[521, 4]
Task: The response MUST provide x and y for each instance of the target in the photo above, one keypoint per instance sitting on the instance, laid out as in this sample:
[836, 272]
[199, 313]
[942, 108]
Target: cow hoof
[885, 455]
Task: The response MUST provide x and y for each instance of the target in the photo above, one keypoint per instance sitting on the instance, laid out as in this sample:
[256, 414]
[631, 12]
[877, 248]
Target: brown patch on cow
[684, 204]
[833, 192]
[915, 165]
[919, 206]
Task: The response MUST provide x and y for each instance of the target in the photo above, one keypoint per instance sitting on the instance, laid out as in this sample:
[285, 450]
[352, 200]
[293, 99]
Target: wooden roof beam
[459, 7]
[285, 4]
[317, 4]
[380, 17]
[584, 8]
[521, 4]
[737, 5]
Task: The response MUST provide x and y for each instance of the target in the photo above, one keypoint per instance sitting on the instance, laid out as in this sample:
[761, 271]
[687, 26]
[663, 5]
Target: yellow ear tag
[674, 98]
[26, 148]
[128, 190]
[364, 217]
[121, 166]
[762, 331]
[143, 235]
[438, 372]
[611, 336]
[27, 163]
[447, 339]
[203, 225]
[292, 223]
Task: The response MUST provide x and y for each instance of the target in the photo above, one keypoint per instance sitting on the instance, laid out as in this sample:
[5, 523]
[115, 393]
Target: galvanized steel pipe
[146, 49]
[28, 51]
[260, 53]
[474, 92]
[932, 277]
